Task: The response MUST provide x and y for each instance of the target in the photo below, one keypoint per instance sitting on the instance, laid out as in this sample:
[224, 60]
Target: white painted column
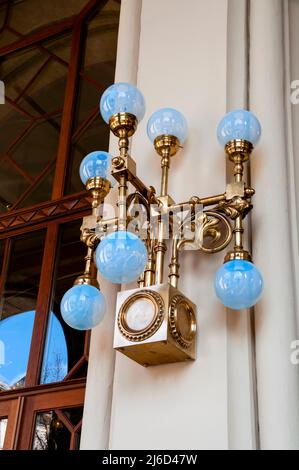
[278, 380]
[291, 21]
[183, 64]
[97, 407]
[242, 419]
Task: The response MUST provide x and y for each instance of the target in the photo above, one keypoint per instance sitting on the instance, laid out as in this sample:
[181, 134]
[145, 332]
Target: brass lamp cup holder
[123, 124]
[167, 145]
[238, 149]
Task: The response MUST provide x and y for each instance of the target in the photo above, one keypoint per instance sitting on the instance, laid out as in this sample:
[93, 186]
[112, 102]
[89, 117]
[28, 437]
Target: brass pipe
[123, 143]
[141, 280]
[238, 227]
[89, 277]
[238, 168]
[108, 222]
[209, 201]
[205, 201]
[174, 264]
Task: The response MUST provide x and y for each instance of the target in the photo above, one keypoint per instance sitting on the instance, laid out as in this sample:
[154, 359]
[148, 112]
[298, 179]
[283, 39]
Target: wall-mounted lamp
[156, 323]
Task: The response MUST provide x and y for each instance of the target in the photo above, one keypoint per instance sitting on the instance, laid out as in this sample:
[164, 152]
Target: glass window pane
[19, 68]
[3, 426]
[98, 64]
[42, 190]
[27, 147]
[17, 307]
[60, 46]
[64, 345]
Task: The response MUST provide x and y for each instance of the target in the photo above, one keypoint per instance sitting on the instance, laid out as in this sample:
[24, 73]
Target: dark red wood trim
[44, 213]
[68, 113]
[42, 175]
[5, 264]
[54, 387]
[38, 36]
[18, 168]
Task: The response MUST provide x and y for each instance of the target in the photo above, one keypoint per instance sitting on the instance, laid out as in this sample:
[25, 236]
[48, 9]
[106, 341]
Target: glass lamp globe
[83, 307]
[122, 98]
[95, 164]
[167, 121]
[238, 284]
[121, 257]
[239, 124]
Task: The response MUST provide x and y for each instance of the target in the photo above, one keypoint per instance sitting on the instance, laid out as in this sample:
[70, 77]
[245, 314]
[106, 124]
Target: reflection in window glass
[64, 345]
[17, 307]
[55, 363]
[3, 426]
[50, 433]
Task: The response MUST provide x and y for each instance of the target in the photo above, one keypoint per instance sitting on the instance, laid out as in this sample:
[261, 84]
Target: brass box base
[155, 325]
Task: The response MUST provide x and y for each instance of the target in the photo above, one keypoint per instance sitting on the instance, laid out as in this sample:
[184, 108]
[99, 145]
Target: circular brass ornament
[182, 321]
[239, 255]
[155, 302]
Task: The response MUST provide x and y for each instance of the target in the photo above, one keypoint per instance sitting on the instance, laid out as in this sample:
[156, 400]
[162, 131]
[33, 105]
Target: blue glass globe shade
[239, 124]
[167, 121]
[122, 98]
[238, 284]
[95, 164]
[121, 257]
[83, 307]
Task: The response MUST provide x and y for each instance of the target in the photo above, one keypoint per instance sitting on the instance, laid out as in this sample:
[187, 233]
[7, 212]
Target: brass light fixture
[155, 322]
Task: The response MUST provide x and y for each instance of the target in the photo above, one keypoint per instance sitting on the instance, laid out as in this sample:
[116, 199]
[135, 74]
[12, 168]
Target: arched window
[55, 60]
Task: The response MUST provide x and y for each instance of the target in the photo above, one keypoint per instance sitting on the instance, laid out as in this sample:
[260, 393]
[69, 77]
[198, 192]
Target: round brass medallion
[141, 315]
[182, 321]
